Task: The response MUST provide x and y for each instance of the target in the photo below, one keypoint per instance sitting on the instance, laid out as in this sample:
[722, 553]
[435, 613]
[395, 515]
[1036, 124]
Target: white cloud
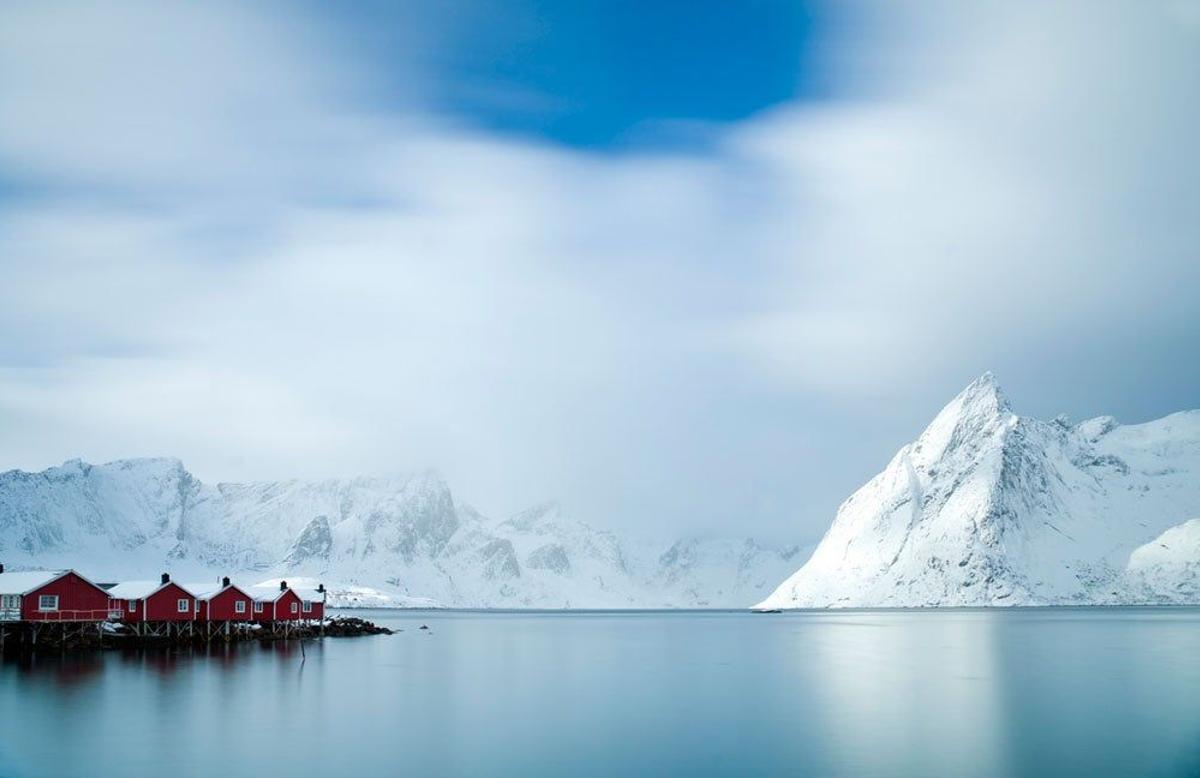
[243, 266]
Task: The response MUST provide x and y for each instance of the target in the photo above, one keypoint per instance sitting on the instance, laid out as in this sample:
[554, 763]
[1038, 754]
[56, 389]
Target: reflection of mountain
[990, 508]
[377, 541]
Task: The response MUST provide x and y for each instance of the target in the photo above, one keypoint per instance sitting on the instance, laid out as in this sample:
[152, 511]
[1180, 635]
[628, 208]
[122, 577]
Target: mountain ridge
[379, 540]
[989, 508]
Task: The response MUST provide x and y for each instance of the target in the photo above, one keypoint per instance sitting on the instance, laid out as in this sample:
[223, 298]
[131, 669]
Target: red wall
[268, 611]
[283, 607]
[78, 600]
[317, 612]
[222, 608]
[163, 605]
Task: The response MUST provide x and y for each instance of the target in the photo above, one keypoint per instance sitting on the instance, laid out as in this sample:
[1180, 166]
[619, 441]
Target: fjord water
[956, 692]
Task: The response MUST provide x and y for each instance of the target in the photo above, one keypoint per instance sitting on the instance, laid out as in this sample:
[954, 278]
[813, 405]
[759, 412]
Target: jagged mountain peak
[78, 467]
[158, 465]
[983, 397]
[988, 508]
[978, 412]
[538, 514]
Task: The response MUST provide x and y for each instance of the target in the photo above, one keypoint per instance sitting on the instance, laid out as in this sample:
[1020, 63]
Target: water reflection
[866, 693]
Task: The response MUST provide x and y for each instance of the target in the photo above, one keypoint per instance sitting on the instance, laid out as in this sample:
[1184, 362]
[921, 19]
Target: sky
[695, 269]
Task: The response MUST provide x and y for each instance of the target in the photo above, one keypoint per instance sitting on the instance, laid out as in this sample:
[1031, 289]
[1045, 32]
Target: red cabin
[312, 603]
[222, 602]
[282, 604]
[45, 595]
[154, 601]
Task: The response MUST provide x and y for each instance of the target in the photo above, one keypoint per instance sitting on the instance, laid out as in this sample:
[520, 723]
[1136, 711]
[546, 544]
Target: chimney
[321, 588]
[166, 578]
[225, 581]
[282, 586]
[1, 567]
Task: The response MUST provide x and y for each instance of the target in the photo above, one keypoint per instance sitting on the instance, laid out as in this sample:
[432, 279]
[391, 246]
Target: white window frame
[10, 601]
[295, 609]
[239, 606]
[258, 607]
[308, 606]
[47, 603]
[131, 605]
[182, 605]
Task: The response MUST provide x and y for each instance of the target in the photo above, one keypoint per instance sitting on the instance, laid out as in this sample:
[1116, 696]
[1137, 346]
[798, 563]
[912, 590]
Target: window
[132, 605]
[239, 606]
[48, 602]
[258, 607]
[10, 601]
[294, 608]
[183, 605]
[308, 606]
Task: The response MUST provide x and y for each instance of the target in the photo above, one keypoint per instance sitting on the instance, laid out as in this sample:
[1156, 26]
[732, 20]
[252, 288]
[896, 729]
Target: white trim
[182, 605]
[47, 607]
[308, 606]
[239, 606]
[258, 606]
[132, 605]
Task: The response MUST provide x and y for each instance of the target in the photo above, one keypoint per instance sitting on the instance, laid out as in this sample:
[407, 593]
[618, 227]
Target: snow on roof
[208, 589]
[139, 590]
[269, 590]
[23, 583]
[267, 593]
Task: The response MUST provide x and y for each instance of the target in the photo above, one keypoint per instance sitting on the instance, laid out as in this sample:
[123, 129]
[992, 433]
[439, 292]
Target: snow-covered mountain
[990, 508]
[372, 541]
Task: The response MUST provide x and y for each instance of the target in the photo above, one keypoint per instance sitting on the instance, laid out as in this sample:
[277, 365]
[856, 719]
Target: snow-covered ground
[1167, 569]
[990, 508]
[373, 542]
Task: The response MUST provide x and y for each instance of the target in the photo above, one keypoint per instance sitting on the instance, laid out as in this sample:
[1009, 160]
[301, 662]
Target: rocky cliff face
[990, 508]
[382, 540]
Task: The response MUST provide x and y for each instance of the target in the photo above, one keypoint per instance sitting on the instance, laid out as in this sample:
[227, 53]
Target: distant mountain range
[985, 508]
[403, 541]
[990, 508]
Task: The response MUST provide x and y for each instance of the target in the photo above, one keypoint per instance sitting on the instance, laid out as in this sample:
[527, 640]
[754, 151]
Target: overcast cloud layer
[254, 266]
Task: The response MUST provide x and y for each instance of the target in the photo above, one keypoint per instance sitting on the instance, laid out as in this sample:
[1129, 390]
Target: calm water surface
[1021, 692]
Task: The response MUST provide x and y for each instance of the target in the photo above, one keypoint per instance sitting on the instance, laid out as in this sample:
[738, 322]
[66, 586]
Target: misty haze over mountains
[406, 540]
[984, 508]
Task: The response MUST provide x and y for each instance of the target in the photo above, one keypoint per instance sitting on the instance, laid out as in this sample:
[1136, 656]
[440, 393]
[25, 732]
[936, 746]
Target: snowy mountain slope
[990, 508]
[1167, 569]
[372, 541]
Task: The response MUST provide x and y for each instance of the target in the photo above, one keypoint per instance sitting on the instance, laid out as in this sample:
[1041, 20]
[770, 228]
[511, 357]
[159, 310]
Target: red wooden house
[312, 605]
[282, 604]
[154, 601]
[222, 602]
[51, 595]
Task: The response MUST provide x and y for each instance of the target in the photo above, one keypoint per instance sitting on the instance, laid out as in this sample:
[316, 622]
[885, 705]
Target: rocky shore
[27, 637]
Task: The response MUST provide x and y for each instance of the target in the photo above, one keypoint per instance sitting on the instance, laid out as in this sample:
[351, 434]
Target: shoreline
[24, 637]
